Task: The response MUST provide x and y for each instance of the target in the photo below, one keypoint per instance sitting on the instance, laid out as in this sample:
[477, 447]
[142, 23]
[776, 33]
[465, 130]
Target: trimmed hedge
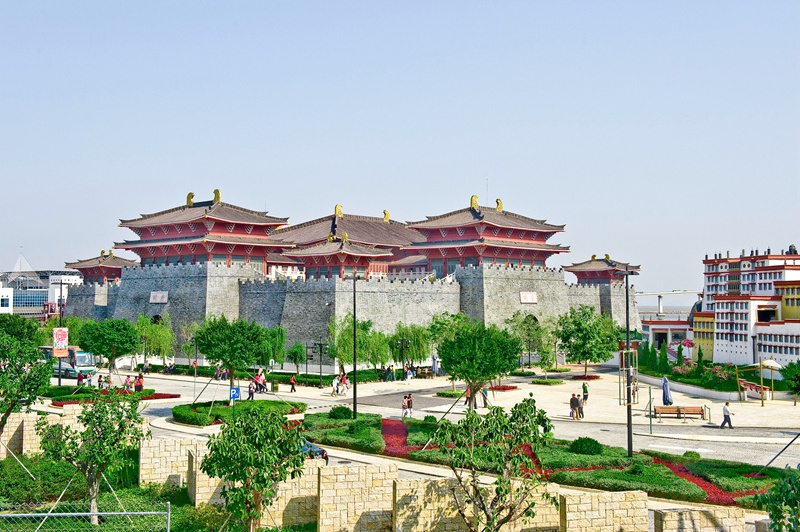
[202, 414]
[452, 394]
[363, 434]
[559, 370]
[557, 456]
[656, 480]
[732, 476]
[585, 377]
[523, 373]
[79, 398]
[322, 420]
[419, 432]
[435, 456]
[547, 382]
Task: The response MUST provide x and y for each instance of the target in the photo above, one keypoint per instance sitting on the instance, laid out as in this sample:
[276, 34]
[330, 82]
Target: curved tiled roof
[104, 261]
[338, 247]
[489, 243]
[486, 215]
[595, 265]
[199, 239]
[368, 230]
[223, 212]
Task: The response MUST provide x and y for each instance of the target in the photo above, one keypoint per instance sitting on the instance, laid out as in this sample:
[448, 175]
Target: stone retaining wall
[624, 511]
[356, 498]
[165, 461]
[706, 520]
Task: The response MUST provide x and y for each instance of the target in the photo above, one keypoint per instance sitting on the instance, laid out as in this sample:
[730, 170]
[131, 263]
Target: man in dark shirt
[573, 407]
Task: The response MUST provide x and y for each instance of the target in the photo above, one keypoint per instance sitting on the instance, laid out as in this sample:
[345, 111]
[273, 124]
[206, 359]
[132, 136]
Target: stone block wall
[12, 436]
[201, 487]
[356, 498]
[428, 505]
[763, 525]
[297, 500]
[696, 520]
[624, 511]
[165, 461]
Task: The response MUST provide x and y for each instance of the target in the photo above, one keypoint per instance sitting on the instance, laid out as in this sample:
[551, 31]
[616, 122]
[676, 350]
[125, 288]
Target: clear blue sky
[657, 132]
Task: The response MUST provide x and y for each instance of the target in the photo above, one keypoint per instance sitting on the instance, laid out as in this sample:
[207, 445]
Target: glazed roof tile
[594, 264]
[368, 230]
[103, 261]
[487, 215]
[199, 239]
[489, 243]
[199, 211]
[338, 247]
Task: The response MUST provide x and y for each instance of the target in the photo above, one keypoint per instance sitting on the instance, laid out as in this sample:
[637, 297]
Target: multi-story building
[753, 304]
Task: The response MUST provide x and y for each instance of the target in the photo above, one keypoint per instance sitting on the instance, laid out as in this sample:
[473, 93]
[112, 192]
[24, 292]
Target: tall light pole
[60, 319]
[194, 389]
[627, 358]
[403, 344]
[319, 348]
[355, 355]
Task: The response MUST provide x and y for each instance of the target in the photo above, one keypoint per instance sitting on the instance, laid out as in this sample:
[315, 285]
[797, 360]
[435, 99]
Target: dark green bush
[429, 419]
[205, 414]
[558, 456]
[523, 373]
[588, 446]
[203, 518]
[51, 478]
[453, 394]
[341, 412]
[322, 421]
[358, 428]
[547, 382]
[694, 455]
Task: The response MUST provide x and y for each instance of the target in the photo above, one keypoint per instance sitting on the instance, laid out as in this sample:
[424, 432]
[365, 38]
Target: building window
[4, 302]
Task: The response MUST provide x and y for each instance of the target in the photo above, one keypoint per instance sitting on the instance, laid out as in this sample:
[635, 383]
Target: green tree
[477, 354]
[23, 328]
[502, 440]
[417, 348]
[24, 377]
[110, 338]
[376, 345]
[341, 335]
[586, 335]
[701, 363]
[679, 355]
[444, 326]
[781, 502]
[791, 374]
[653, 358]
[275, 341]
[663, 359]
[73, 323]
[644, 353]
[187, 332]
[109, 428]
[255, 453]
[297, 355]
[526, 328]
[236, 344]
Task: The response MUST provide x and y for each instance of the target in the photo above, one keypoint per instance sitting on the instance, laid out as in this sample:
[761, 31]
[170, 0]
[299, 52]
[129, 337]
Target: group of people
[137, 385]
[220, 373]
[578, 401]
[387, 373]
[340, 385]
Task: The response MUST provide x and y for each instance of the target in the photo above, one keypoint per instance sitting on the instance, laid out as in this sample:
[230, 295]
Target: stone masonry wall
[606, 298]
[706, 520]
[356, 498]
[624, 511]
[201, 487]
[165, 461]
[428, 505]
[297, 500]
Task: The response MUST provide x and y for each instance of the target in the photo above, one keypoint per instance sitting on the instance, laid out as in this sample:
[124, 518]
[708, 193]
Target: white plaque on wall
[158, 297]
[528, 297]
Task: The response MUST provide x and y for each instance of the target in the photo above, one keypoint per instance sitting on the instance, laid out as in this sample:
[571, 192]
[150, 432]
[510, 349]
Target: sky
[658, 132]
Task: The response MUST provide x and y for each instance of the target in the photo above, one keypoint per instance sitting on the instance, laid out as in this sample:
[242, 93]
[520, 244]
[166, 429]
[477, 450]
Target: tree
[477, 354]
[109, 428]
[187, 332]
[297, 355]
[526, 328]
[586, 335]
[156, 336]
[503, 441]
[663, 359]
[781, 502]
[275, 342]
[679, 355]
[73, 323]
[417, 346]
[791, 374]
[24, 377]
[444, 326]
[110, 338]
[701, 363]
[341, 334]
[376, 345]
[22, 328]
[255, 453]
[236, 345]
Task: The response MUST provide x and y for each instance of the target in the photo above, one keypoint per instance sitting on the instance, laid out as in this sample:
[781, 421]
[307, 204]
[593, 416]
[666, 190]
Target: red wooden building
[600, 271]
[101, 269]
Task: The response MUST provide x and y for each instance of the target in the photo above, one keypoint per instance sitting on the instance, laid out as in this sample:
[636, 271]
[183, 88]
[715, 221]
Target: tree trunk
[586, 367]
[230, 379]
[93, 485]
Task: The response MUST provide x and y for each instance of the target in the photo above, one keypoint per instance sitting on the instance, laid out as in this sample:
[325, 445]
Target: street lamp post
[355, 357]
[60, 319]
[194, 389]
[320, 349]
[403, 344]
[627, 358]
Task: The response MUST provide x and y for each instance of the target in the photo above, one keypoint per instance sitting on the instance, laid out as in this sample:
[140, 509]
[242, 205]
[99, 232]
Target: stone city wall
[356, 498]
[165, 460]
[699, 520]
[428, 505]
[624, 511]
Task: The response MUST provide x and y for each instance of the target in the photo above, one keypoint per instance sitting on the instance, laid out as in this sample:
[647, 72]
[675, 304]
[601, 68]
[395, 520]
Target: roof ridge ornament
[216, 196]
[473, 202]
[102, 253]
[345, 238]
[337, 211]
[110, 253]
[330, 237]
[190, 199]
[594, 257]
[499, 205]
[386, 215]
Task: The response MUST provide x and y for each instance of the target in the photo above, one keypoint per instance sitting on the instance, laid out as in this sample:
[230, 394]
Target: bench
[680, 411]
[424, 373]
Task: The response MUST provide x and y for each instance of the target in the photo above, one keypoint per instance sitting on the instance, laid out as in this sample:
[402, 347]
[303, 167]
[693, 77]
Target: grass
[728, 475]
[452, 394]
[547, 382]
[656, 480]
[363, 434]
[202, 414]
[419, 432]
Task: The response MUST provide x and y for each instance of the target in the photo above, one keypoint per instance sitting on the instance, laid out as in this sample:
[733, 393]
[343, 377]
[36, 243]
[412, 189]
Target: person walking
[292, 381]
[580, 407]
[251, 389]
[404, 407]
[335, 385]
[80, 379]
[726, 415]
[585, 393]
[410, 406]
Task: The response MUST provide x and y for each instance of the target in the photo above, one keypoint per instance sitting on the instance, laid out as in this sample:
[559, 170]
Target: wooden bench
[680, 411]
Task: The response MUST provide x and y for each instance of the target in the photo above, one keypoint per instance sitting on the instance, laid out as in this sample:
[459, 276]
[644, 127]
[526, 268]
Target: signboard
[60, 341]
[528, 297]
[235, 392]
[158, 297]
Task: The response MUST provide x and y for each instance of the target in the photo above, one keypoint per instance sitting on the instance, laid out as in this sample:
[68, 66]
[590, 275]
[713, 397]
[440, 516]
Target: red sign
[60, 341]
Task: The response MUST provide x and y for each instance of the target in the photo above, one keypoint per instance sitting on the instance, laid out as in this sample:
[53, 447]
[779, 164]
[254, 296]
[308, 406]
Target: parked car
[312, 451]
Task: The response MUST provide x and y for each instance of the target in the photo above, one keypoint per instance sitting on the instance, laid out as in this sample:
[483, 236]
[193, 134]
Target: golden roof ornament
[330, 237]
[385, 215]
[344, 236]
[473, 202]
[594, 257]
[110, 253]
[102, 253]
[216, 196]
[607, 257]
[337, 211]
[190, 199]
[499, 205]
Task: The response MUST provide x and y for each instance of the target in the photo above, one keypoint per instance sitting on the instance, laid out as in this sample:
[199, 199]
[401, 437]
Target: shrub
[51, 478]
[547, 382]
[588, 446]
[203, 414]
[341, 412]
[733, 476]
[203, 518]
[585, 377]
[692, 454]
[523, 373]
[452, 394]
[559, 370]
[358, 428]
[558, 456]
[322, 421]
[429, 419]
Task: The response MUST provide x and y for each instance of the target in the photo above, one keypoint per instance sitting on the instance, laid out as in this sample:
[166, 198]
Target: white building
[6, 299]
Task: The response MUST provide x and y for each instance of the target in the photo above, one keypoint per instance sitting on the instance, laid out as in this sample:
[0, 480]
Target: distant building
[751, 307]
[6, 299]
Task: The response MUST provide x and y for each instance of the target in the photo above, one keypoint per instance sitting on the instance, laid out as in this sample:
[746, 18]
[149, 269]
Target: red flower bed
[585, 377]
[716, 495]
[395, 434]
[503, 387]
[156, 395]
